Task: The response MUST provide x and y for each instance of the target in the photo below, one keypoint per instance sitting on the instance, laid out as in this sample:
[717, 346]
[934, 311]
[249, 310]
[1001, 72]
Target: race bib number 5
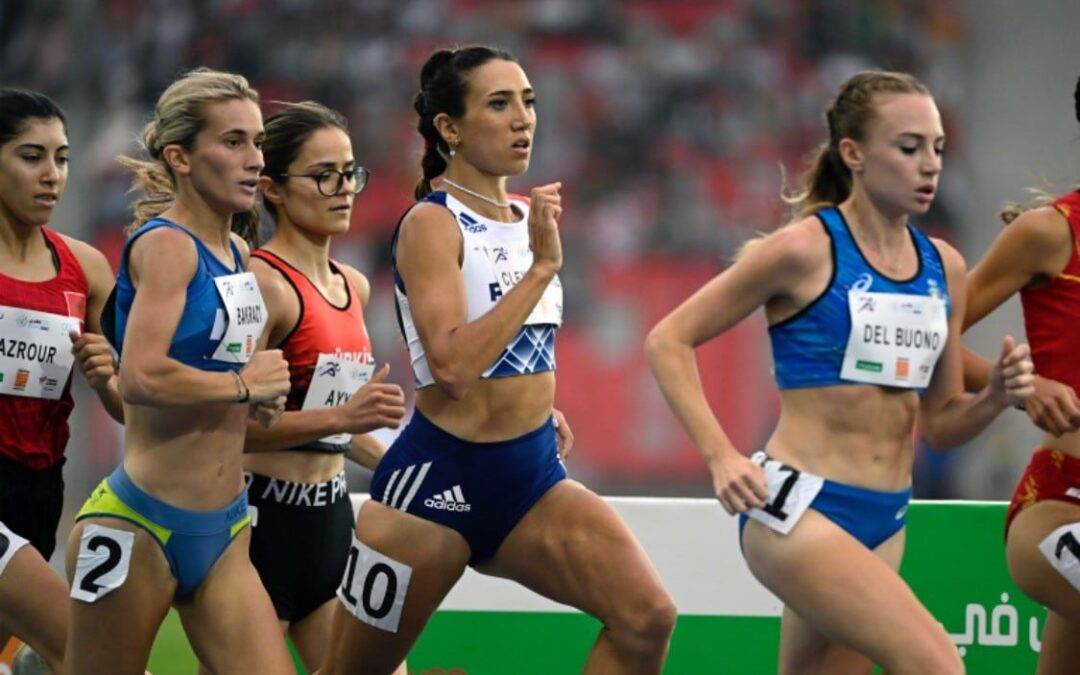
[790, 494]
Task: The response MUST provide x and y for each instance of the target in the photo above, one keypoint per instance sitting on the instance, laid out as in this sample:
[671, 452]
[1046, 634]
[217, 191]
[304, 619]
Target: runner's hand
[376, 405]
[739, 484]
[1012, 377]
[266, 375]
[563, 433]
[1053, 407]
[95, 358]
[545, 208]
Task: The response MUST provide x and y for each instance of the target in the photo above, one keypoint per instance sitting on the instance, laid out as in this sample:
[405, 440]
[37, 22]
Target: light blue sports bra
[192, 343]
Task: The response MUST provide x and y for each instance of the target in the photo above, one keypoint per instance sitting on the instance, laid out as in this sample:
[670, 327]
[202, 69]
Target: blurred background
[668, 122]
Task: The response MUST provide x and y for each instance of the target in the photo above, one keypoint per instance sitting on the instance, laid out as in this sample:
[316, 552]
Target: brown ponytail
[828, 180]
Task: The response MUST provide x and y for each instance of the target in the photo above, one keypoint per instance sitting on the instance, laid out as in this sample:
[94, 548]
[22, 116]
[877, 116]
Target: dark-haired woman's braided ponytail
[432, 163]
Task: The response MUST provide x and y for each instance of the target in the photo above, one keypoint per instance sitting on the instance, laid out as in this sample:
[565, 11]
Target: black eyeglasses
[330, 181]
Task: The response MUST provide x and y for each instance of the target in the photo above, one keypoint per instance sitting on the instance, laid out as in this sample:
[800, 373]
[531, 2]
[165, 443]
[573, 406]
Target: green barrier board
[955, 562]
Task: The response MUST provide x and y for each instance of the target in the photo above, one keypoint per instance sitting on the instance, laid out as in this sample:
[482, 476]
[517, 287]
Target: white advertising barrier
[692, 542]
[728, 622]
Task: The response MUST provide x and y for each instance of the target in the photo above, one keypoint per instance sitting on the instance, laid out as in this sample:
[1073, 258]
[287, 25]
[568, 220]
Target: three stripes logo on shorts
[396, 493]
[404, 483]
[449, 500]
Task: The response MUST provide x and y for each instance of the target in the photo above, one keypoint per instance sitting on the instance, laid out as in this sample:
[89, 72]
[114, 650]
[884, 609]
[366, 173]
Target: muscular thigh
[417, 561]
[574, 548]
[1036, 574]
[229, 620]
[843, 594]
[805, 649]
[121, 588]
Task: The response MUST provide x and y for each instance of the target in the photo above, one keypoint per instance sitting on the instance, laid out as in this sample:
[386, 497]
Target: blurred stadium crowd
[666, 120]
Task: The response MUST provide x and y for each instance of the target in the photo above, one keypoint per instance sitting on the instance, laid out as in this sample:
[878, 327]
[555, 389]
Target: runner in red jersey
[51, 289]
[1038, 255]
[296, 477]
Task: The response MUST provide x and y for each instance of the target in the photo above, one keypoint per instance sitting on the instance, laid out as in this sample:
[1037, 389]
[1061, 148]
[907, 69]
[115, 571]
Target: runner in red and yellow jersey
[1038, 255]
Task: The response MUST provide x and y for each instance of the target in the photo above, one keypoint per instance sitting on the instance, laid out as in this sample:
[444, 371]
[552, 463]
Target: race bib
[373, 587]
[241, 323]
[103, 562]
[35, 352]
[510, 262]
[1062, 549]
[790, 493]
[333, 383]
[895, 339]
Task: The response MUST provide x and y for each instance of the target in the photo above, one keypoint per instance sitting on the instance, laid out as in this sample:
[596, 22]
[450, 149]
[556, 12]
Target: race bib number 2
[790, 493]
[103, 563]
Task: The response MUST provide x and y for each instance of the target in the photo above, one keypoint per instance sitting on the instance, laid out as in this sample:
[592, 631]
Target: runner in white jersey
[475, 478]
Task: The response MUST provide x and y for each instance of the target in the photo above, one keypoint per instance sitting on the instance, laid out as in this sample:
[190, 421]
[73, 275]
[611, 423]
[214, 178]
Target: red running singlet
[34, 431]
[1052, 311]
[322, 328]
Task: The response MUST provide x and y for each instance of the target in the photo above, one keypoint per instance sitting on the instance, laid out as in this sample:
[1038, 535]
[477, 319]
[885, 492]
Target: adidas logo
[449, 500]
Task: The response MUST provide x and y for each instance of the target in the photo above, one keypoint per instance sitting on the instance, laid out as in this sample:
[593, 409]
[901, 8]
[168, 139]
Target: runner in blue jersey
[865, 314]
[169, 526]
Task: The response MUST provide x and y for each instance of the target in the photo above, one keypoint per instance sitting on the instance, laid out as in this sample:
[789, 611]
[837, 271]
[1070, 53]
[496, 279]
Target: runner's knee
[646, 624]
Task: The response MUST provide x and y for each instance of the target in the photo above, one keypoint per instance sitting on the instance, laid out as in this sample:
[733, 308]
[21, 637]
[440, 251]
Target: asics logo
[449, 500]
[864, 282]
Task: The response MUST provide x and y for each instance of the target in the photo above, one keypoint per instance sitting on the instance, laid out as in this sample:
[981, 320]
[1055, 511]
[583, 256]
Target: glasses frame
[359, 176]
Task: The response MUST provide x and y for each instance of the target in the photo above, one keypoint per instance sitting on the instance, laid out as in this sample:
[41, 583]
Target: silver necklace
[489, 200]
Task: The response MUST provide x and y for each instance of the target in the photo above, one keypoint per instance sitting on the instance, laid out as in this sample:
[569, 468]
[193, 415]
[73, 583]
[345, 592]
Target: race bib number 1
[1062, 549]
[790, 494]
